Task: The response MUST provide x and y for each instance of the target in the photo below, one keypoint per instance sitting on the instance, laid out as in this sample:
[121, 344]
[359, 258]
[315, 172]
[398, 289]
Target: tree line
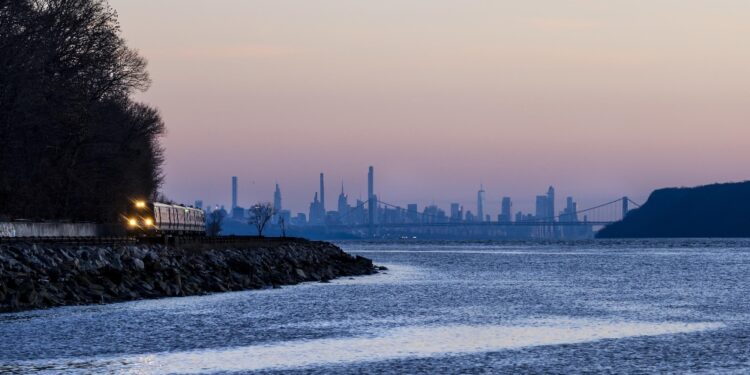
[74, 145]
[261, 214]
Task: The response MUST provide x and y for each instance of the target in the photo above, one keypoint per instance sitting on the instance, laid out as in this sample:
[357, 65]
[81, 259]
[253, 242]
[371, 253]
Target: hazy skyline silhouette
[598, 99]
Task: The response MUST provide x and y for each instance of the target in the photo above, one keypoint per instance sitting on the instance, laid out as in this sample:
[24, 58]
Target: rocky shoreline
[45, 275]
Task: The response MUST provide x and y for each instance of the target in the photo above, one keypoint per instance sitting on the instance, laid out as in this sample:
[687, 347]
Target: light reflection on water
[640, 306]
[404, 342]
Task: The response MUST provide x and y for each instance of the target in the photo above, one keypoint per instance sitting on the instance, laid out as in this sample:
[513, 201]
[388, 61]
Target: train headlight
[132, 222]
[148, 222]
[140, 204]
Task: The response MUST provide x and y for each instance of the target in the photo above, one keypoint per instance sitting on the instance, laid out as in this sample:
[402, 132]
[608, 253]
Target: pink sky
[600, 99]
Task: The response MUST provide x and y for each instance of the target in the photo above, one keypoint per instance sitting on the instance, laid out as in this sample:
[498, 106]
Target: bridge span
[578, 225]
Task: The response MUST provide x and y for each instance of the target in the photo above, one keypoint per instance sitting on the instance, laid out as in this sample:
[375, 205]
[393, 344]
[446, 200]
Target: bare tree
[260, 214]
[282, 226]
[214, 223]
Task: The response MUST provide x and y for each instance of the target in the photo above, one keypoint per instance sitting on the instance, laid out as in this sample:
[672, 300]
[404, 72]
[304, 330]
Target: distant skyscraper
[541, 208]
[317, 215]
[277, 199]
[343, 206]
[505, 210]
[276, 205]
[370, 182]
[571, 206]
[551, 203]
[372, 200]
[199, 204]
[357, 214]
[456, 213]
[317, 206]
[433, 214]
[322, 194]
[234, 192]
[569, 214]
[480, 203]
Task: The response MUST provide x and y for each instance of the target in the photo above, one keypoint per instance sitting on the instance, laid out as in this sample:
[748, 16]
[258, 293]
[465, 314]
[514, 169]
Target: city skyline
[249, 192]
[316, 211]
[598, 100]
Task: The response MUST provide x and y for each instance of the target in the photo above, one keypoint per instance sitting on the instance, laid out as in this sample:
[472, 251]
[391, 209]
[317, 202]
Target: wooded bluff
[718, 210]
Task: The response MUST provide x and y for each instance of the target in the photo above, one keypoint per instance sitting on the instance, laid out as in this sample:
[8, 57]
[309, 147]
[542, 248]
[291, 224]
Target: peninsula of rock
[41, 275]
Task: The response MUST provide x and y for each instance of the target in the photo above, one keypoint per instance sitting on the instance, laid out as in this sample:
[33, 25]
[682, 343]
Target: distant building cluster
[375, 212]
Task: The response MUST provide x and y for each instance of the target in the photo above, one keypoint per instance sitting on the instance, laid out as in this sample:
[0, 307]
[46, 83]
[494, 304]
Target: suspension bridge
[378, 218]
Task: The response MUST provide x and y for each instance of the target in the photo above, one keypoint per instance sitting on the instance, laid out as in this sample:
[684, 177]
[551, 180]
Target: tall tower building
[234, 192]
[343, 205]
[457, 213]
[276, 205]
[480, 203]
[315, 216]
[370, 182]
[541, 208]
[505, 210]
[322, 194]
[569, 214]
[372, 200]
[277, 199]
[551, 203]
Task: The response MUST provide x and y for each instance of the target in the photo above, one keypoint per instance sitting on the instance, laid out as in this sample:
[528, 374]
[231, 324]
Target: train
[153, 219]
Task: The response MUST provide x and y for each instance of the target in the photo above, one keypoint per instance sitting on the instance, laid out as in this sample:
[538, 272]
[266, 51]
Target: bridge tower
[624, 206]
[372, 203]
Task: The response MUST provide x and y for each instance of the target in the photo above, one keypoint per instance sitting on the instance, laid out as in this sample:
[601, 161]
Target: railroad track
[172, 240]
[71, 240]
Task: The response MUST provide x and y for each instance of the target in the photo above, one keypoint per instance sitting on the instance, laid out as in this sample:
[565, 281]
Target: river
[628, 306]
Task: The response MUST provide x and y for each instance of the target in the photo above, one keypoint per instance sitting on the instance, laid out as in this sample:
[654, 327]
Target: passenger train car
[157, 219]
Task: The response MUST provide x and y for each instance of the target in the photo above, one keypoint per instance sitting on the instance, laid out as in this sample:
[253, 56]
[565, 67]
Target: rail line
[171, 240]
[87, 240]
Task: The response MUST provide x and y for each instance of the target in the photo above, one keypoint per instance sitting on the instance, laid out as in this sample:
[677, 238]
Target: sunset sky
[599, 98]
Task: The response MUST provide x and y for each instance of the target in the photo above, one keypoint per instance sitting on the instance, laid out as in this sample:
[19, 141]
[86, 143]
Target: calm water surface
[679, 306]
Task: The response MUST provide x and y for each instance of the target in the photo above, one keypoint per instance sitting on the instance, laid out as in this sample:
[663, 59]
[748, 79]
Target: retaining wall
[29, 229]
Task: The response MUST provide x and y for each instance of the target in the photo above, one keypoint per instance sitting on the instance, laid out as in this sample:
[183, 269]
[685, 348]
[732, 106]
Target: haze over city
[599, 99]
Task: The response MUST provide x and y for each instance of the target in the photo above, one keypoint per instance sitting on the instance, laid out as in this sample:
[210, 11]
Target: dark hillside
[718, 210]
